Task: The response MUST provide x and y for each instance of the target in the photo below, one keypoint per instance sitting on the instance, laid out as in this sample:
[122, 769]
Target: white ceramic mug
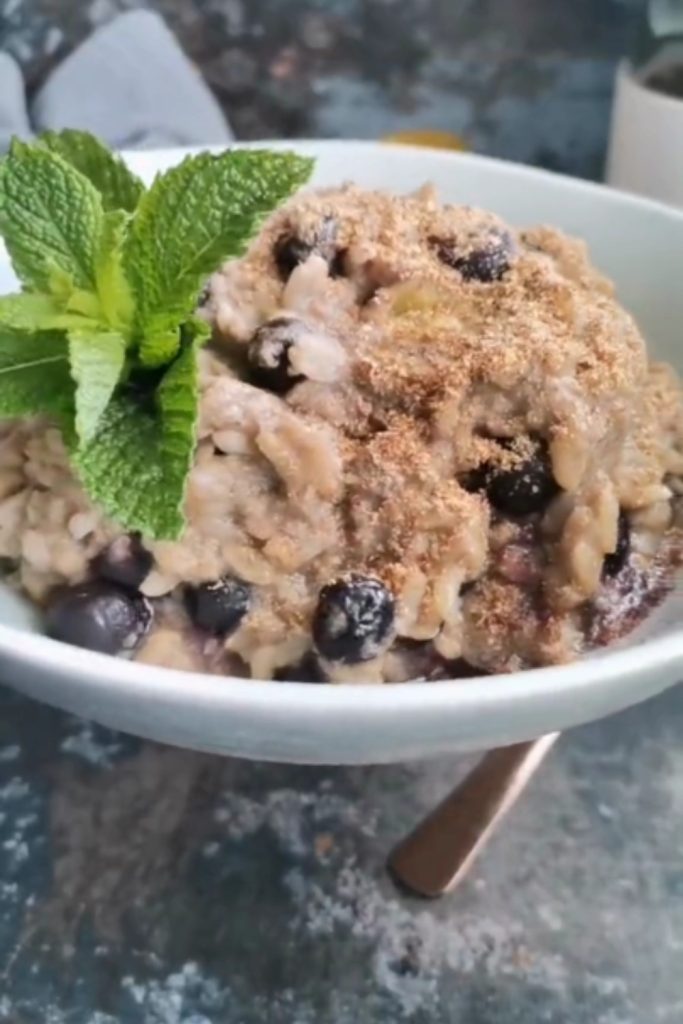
[646, 140]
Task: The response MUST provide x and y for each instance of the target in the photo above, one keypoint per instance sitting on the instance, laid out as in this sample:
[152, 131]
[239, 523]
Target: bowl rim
[142, 681]
[139, 158]
[295, 700]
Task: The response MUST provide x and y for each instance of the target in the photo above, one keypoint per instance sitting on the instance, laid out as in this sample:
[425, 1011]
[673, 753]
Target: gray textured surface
[526, 79]
[145, 885]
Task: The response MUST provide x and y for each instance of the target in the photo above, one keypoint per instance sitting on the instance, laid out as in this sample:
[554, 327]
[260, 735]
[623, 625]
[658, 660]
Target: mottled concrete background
[145, 885]
[526, 79]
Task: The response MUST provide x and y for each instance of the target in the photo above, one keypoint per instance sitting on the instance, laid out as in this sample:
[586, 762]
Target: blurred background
[529, 80]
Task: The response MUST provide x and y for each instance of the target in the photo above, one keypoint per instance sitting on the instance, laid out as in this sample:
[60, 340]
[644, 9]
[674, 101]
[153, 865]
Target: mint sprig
[50, 217]
[103, 338]
[34, 375]
[138, 461]
[96, 360]
[119, 188]
[211, 206]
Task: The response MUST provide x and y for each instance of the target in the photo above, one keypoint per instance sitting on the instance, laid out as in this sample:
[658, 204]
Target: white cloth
[13, 113]
[129, 83]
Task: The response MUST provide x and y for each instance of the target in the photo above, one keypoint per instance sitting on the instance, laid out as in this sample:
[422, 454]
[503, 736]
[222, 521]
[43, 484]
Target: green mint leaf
[160, 348]
[96, 362]
[119, 187]
[195, 216]
[136, 466]
[111, 305]
[70, 298]
[34, 375]
[113, 290]
[32, 311]
[50, 218]
[161, 345]
[106, 265]
[62, 289]
[197, 330]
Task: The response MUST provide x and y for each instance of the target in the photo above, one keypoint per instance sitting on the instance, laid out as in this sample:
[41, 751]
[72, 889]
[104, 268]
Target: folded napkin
[129, 83]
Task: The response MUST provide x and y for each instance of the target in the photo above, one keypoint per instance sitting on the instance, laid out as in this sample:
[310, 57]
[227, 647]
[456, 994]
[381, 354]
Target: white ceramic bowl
[640, 244]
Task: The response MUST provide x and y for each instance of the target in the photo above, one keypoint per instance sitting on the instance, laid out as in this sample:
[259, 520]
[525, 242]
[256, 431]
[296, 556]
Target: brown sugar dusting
[502, 623]
[428, 333]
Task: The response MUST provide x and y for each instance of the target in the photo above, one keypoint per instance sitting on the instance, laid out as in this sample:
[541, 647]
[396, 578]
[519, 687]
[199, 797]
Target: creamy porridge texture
[429, 445]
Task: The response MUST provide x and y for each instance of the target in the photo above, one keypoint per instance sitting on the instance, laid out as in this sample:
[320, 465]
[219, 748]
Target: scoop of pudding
[428, 443]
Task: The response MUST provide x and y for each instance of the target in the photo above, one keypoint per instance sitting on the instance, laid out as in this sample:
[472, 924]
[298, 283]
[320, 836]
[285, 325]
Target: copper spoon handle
[437, 854]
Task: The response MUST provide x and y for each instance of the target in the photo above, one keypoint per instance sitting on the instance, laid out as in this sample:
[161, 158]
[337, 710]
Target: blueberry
[461, 669]
[615, 562]
[308, 670]
[291, 250]
[126, 561]
[520, 490]
[100, 617]
[354, 619]
[487, 262]
[218, 607]
[268, 355]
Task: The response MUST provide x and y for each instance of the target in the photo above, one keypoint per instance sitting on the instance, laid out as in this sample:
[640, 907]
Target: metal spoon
[437, 854]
